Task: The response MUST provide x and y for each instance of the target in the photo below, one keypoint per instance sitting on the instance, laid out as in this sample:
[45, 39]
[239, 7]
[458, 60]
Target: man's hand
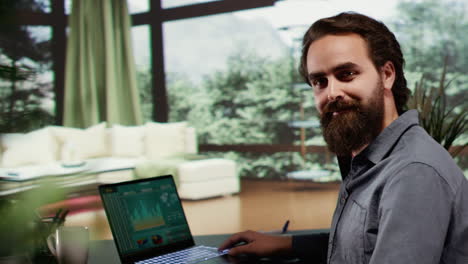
[258, 244]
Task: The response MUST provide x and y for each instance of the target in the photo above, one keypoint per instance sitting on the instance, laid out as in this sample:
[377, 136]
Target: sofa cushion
[208, 189]
[164, 139]
[37, 147]
[191, 144]
[4, 138]
[127, 141]
[206, 169]
[84, 143]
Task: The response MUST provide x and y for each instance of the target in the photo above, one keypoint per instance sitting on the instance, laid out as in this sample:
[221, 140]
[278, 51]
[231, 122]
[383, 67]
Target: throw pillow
[127, 141]
[84, 143]
[36, 147]
[164, 139]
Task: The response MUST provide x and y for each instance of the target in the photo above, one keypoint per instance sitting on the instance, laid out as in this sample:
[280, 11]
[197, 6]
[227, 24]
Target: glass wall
[234, 76]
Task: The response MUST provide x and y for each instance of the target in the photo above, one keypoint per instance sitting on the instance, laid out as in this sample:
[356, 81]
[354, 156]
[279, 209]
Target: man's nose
[335, 90]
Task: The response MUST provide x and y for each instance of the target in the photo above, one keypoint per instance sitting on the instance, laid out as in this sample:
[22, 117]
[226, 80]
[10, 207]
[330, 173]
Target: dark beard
[352, 130]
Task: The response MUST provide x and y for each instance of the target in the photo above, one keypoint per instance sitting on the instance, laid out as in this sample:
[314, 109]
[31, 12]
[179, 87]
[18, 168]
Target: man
[402, 199]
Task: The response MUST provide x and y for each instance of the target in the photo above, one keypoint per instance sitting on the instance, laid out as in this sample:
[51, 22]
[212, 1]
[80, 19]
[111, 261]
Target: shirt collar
[384, 142]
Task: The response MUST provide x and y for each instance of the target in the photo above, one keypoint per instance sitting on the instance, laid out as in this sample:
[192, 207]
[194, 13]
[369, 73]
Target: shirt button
[343, 200]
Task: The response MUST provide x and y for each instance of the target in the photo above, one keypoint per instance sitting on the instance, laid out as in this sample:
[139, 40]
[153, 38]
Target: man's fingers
[234, 239]
[256, 244]
[231, 241]
[244, 249]
[227, 244]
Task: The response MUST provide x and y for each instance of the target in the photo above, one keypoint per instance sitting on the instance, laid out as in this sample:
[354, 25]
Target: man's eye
[346, 75]
[319, 83]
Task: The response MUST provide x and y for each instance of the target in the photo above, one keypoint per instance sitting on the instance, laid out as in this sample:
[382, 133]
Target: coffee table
[73, 179]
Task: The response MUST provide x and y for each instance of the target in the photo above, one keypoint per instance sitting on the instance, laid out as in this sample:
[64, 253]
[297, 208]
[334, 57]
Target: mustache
[340, 105]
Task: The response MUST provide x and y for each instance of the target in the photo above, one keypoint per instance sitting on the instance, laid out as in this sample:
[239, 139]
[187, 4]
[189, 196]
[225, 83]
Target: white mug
[69, 244]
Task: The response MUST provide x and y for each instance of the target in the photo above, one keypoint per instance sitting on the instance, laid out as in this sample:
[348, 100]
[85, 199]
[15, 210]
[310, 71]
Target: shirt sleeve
[311, 246]
[414, 217]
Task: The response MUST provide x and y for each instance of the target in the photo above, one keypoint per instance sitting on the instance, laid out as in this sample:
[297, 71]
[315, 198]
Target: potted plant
[22, 232]
[443, 122]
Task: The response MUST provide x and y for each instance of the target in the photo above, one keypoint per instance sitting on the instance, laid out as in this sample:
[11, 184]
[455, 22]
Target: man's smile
[341, 112]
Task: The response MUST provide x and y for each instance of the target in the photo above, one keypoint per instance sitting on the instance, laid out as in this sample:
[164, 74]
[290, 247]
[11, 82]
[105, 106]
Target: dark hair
[382, 47]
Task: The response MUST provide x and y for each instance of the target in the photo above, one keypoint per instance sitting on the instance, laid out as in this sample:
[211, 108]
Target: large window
[233, 75]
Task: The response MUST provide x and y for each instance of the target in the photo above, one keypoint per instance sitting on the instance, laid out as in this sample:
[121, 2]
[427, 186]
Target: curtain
[100, 76]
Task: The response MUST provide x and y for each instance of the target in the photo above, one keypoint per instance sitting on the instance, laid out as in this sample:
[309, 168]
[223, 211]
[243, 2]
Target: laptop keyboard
[186, 256]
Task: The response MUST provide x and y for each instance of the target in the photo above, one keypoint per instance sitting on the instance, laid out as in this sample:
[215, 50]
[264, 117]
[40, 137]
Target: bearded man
[402, 199]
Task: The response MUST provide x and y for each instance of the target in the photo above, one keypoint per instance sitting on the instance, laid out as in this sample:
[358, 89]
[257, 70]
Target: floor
[262, 205]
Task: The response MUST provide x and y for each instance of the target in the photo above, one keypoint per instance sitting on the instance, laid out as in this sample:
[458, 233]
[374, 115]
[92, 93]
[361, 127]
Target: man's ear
[387, 74]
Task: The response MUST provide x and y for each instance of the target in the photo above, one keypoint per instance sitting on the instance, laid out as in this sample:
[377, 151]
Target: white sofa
[99, 155]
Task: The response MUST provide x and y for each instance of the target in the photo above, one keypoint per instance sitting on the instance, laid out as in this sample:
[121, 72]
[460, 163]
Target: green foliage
[21, 94]
[430, 31]
[433, 33]
[251, 102]
[433, 37]
[146, 95]
[443, 123]
[20, 228]
[184, 96]
[20, 104]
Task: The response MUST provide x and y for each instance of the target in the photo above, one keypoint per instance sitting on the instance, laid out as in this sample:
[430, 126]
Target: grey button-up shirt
[402, 200]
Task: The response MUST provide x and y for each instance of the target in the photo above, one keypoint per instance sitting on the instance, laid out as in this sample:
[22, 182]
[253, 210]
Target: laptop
[149, 224]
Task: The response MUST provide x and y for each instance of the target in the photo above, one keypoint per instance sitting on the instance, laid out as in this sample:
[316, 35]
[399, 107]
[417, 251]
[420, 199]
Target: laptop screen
[145, 214]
